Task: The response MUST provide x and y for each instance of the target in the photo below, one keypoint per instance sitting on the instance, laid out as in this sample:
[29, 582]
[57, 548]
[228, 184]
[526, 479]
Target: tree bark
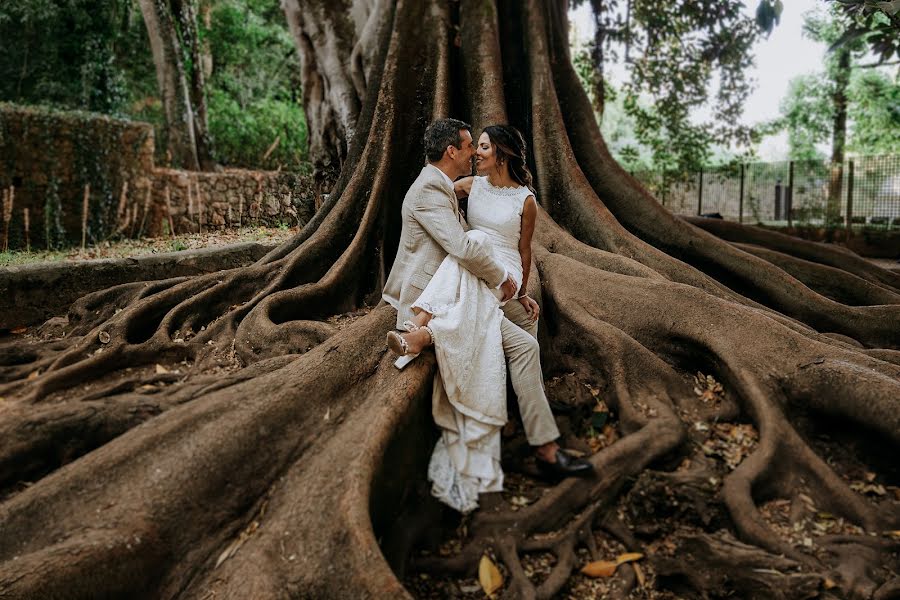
[181, 136]
[335, 41]
[838, 137]
[185, 12]
[243, 434]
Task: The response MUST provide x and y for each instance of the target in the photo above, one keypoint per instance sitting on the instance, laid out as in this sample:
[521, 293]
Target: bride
[461, 316]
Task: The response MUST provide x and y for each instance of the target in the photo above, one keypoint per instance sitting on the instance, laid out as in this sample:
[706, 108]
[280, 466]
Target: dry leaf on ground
[606, 568]
[489, 576]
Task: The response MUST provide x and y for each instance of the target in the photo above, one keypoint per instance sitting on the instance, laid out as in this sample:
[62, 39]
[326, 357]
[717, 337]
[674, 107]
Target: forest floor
[657, 517]
[143, 246]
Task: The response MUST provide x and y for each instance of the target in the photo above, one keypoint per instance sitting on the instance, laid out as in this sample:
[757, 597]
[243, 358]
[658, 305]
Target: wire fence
[862, 192]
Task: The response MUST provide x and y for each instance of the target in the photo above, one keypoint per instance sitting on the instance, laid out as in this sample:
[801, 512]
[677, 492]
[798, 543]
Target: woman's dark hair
[509, 148]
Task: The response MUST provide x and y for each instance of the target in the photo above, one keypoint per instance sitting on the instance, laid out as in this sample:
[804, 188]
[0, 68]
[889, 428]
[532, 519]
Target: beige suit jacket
[432, 228]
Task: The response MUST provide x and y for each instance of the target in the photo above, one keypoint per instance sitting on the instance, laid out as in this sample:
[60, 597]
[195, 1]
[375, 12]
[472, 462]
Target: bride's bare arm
[463, 186]
[529, 215]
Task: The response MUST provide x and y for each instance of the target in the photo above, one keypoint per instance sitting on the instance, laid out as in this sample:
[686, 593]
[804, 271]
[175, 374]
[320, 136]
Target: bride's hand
[531, 307]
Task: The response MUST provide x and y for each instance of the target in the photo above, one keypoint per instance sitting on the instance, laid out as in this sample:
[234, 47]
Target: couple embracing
[461, 286]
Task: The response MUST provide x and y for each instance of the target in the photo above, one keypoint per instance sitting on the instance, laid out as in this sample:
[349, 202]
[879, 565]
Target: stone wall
[49, 157]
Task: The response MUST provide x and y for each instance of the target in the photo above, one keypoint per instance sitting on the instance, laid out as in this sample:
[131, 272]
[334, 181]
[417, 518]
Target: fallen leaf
[18, 330]
[489, 576]
[161, 370]
[229, 551]
[600, 568]
[639, 573]
[829, 583]
[519, 501]
[34, 374]
[628, 557]
[606, 568]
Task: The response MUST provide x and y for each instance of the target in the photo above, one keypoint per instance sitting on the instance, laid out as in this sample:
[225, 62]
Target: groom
[433, 228]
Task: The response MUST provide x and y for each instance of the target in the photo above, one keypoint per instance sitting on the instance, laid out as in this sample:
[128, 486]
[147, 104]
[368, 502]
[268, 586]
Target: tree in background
[63, 53]
[256, 113]
[175, 42]
[84, 55]
[680, 55]
[243, 434]
[851, 105]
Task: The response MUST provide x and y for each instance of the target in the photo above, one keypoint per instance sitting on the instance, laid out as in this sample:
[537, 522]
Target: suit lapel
[443, 183]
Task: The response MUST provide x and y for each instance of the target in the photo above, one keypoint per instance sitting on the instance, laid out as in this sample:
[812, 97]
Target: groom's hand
[508, 288]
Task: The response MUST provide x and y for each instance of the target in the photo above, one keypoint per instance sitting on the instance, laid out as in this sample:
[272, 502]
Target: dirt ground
[143, 246]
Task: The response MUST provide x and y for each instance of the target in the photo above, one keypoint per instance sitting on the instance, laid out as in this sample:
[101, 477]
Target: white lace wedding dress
[469, 399]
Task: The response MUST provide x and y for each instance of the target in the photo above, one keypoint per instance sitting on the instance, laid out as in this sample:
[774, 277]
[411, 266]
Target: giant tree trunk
[224, 436]
[335, 41]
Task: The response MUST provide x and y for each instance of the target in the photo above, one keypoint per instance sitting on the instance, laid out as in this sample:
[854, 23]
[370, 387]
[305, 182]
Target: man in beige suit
[432, 228]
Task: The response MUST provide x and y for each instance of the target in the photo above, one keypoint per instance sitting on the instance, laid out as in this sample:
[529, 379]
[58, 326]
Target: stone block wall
[49, 157]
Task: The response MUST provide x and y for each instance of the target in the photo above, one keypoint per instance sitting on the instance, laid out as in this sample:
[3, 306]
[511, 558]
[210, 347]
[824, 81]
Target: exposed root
[827, 254]
[831, 282]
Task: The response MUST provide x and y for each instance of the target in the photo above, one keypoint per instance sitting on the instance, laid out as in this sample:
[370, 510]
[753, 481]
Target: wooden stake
[123, 201]
[8, 197]
[199, 208]
[27, 230]
[146, 208]
[190, 201]
[84, 214]
[169, 212]
[134, 214]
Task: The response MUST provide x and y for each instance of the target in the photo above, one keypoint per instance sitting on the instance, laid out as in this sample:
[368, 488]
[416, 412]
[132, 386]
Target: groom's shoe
[566, 465]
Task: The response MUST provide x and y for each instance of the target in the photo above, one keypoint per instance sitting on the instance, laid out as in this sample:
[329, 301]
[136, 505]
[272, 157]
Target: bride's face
[485, 159]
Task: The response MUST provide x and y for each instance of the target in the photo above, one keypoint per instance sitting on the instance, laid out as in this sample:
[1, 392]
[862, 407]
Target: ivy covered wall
[48, 157]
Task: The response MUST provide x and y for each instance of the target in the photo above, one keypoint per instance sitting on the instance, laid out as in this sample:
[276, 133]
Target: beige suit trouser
[520, 346]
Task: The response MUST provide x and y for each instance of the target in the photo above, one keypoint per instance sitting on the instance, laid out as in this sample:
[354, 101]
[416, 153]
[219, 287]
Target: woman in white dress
[461, 316]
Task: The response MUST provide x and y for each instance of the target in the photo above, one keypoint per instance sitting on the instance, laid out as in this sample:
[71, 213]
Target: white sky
[778, 58]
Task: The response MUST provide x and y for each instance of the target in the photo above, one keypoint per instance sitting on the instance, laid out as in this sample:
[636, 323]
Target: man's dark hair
[443, 133]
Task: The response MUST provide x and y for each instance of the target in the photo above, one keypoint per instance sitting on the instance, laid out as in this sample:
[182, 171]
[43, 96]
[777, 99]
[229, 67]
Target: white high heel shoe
[399, 346]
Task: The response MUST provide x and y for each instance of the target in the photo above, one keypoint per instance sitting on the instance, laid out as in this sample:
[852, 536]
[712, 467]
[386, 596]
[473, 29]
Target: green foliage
[245, 134]
[80, 54]
[806, 114]
[254, 89]
[874, 114]
[675, 52]
[873, 98]
[873, 22]
[768, 14]
[62, 53]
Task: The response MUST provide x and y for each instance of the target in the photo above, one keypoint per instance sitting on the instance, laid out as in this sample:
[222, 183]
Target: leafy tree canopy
[873, 97]
[680, 55]
[76, 54]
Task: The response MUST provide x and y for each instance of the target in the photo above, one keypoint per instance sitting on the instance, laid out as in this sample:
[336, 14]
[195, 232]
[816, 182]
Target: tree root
[831, 282]
[832, 255]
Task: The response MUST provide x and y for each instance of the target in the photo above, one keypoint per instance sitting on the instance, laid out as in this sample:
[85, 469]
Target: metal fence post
[850, 196]
[700, 195]
[741, 197]
[789, 196]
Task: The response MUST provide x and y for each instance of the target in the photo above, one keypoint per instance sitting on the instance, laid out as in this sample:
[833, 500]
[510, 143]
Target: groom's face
[462, 156]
